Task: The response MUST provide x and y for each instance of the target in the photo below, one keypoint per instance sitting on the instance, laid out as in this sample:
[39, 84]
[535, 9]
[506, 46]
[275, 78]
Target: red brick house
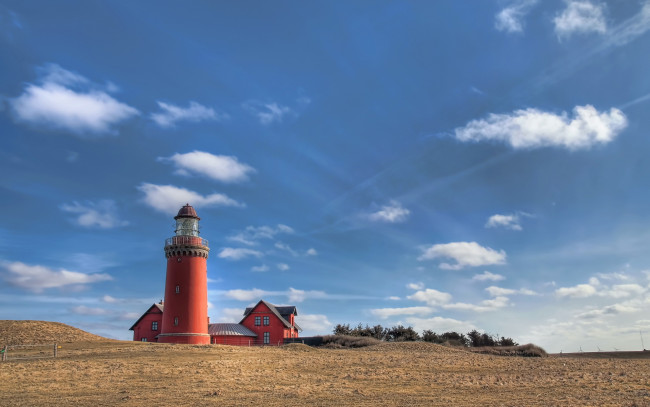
[147, 327]
[263, 324]
[271, 323]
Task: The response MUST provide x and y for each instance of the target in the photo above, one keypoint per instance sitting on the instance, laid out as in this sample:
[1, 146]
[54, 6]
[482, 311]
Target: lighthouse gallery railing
[186, 240]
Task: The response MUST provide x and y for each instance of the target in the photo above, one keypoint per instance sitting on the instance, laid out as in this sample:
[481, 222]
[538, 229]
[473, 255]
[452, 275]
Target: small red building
[271, 323]
[148, 326]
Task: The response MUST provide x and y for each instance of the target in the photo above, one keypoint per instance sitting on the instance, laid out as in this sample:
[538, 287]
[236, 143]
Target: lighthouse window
[154, 326]
[267, 338]
[178, 289]
[266, 321]
[258, 321]
[175, 321]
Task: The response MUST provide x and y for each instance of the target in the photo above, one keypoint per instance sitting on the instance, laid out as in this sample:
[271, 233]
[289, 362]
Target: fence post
[4, 354]
[55, 350]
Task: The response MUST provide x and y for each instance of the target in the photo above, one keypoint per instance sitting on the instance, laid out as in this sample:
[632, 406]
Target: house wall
[275, 328]
[143, 329]
[235, 340]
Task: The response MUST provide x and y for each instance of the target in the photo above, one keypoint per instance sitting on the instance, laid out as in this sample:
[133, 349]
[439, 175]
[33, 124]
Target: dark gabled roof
[158, 305]
[229, 329]
[282, 312]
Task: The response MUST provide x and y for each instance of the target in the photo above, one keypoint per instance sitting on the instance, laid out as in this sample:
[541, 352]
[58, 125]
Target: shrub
[528, 350]
[347, 341]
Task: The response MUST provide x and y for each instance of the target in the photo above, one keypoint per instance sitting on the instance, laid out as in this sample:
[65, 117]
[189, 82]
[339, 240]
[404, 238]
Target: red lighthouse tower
[185, 315]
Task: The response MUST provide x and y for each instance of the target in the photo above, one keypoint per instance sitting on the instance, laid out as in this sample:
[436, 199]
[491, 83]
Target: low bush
[528, 350]
[346, 341]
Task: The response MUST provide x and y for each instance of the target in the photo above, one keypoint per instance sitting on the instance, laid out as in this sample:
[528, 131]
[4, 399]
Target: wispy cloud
[101, 214]
[252, 234]
[385, 313]
[580, 17]
[465, 254]
[392, 213]
[268, 113]
[510, 221]
[221, 168]
[230, 253]
[37, 278]
[260, 269]
[533, 128]
[510, 19]
[66, 100]
[314, 322]
[194, 112]
[283, 266]
[487, 276]
[169, 198]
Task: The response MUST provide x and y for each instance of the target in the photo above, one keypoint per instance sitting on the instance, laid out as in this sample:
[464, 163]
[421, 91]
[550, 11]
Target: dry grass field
[103, 372]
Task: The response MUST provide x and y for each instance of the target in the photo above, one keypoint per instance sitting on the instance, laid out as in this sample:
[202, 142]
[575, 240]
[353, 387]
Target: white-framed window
[178, 289]
[154, 326]
[267, 338]
[266, 321]
[258, 321]
[144, 339]
[175, 321]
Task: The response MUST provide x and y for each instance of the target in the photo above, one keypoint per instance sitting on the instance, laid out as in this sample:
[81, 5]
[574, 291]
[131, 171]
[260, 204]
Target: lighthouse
[185, 315]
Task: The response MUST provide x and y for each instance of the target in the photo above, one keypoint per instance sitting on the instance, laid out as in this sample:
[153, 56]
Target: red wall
[275, 328]
[190, 305]
[233, 340]
[143, 329]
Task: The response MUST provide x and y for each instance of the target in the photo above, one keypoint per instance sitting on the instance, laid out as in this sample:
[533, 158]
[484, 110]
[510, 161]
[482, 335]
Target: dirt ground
[103, 373]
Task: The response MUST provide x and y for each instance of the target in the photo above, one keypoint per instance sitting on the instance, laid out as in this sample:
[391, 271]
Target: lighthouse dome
[187, 211]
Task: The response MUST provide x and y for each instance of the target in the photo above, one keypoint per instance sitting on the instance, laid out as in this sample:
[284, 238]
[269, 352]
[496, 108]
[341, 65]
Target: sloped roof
[229, 329]
[282, 312]
[148, 311]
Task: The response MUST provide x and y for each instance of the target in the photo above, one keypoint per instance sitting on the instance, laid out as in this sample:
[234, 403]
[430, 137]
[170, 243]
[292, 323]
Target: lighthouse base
[188, 338]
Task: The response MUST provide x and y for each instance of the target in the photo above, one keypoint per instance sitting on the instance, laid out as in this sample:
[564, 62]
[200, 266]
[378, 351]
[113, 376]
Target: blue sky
[446, 165]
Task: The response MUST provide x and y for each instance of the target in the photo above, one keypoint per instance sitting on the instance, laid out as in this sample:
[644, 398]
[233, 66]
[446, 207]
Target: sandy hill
[36, 332]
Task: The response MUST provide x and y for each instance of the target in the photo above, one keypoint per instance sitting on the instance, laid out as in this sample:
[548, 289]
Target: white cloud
[510, 19]
[267, 113]
[83, 310]
[311, 252]
[38, 278]
[533, 128]
[252, 234]
[392, 213]
[314, 322]
[169, 199]
[415, 286]
[68, 101]
[614, 309]
[580, 16]
[283, 266]
[623, 290]
[465, 254]
[484, 306]
[487, 276]
[285, 247]
[230, 314]
[511, 222]
[578, 291]
[499, 291]
[238, 253]
[393, 298]
[261, 268]
[431, 297]
[247, 295]
[102, 214]
[217, 167]
[195, 112]
[385, 313]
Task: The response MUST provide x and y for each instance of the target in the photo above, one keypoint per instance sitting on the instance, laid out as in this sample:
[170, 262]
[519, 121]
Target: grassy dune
[130, 373]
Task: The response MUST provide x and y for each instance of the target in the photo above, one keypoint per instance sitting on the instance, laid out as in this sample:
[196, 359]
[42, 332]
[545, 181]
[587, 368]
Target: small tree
[340, 329]
[400, 333]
